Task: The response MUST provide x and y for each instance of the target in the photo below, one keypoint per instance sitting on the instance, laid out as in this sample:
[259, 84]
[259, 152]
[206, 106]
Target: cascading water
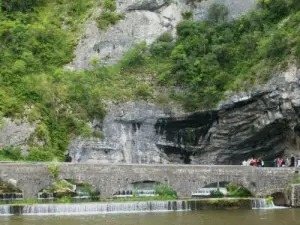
[262, 203]
[5, 210]
[11, 196]
[95, 208]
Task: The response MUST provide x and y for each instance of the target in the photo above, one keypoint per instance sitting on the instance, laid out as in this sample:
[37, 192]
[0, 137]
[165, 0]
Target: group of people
[254, 162]
[279, 162]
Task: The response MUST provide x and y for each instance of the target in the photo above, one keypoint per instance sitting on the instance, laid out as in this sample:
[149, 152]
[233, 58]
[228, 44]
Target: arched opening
[221, 189]
[146, 188]
[9, 191]
[221, 184]
[140, 189]
[279, 199]
[67, 190]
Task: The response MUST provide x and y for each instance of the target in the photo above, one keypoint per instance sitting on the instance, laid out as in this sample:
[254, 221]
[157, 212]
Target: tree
[19, 5]
[217, 13]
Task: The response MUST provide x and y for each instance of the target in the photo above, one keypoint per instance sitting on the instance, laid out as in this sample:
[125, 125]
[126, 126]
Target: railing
[139, 193]
[274, 164]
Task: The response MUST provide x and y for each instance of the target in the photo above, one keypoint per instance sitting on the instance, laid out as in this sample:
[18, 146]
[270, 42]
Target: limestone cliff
[15, 133]
[262, 123]
[144, 20]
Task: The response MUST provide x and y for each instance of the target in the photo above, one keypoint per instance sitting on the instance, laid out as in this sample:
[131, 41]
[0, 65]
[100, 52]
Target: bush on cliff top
[213, 57]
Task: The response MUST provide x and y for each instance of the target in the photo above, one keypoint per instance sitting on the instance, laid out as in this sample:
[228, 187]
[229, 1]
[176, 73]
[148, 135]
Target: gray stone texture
[130, 136]
[261, 123]
[145, 20]
[295, 195]
[110, 178]
[15, 133]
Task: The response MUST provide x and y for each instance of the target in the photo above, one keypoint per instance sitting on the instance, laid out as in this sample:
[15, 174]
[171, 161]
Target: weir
[133, 207]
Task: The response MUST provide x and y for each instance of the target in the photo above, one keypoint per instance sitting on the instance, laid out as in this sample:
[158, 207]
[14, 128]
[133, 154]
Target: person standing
[292, 161]
[259, 162]
[287, 162]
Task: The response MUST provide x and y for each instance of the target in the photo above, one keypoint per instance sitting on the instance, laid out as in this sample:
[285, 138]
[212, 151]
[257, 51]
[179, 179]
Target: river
[226, 217]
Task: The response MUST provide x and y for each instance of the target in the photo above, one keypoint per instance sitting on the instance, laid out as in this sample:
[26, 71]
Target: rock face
[263, 123]
[145, 20]
[130, 136]
[15, 133]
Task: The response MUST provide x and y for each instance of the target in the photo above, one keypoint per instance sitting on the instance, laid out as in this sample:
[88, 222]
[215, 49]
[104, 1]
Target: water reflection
[232, 217]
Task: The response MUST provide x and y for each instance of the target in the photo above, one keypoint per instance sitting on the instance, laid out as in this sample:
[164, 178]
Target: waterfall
[5, 210]
[94, 208]
[11, 196]
[261, 203]
[45, 196]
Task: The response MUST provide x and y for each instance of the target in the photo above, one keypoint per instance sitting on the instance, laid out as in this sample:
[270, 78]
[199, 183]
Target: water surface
[226, 217]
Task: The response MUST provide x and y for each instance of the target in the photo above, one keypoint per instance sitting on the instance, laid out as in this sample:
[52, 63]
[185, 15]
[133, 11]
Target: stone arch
[69, 187]
[9, 190]
[243, 181]
[270, 192]
[279, 198]
[27, 185]
[137, 186]
[214, 183]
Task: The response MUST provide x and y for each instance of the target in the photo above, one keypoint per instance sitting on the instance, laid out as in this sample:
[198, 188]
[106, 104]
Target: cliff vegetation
[206, 61]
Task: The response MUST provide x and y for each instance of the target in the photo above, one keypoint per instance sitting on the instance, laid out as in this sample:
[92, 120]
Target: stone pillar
[295, 195]
[30, 194]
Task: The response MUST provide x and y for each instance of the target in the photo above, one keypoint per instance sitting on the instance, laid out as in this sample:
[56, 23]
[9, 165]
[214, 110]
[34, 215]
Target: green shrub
[98, 134]
[164, 190]
[20, 5]
[11, 153]
[275, 46]
[109, 5]
[60, 184]
[161, 49]
[216, 194]
[269, 200]
[187, 15]
[107, 18]
[143, 92]
[165, 37]
[135, 56]
[232, 187]
[217, 13]
[54, 170]
[94, 194]
[38, 154]
[235, 190]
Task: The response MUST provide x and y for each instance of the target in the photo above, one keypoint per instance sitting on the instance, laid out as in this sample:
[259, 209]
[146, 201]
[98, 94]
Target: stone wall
[110, 178]
[295, 195]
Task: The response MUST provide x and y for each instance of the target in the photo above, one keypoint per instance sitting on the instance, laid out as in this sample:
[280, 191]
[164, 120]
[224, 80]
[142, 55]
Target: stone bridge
[109, 178]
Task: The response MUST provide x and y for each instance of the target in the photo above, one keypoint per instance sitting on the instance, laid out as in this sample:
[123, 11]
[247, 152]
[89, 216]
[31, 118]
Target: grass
[54, 170]
[107, 19]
